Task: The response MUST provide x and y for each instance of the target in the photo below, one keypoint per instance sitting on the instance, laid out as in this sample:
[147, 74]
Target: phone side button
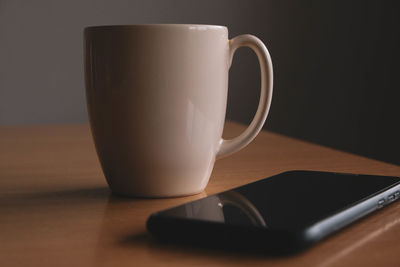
[391, 198]
[397, 194]
[381, 202]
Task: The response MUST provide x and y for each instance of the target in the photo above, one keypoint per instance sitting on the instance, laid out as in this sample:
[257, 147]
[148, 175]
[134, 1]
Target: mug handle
[227, 147]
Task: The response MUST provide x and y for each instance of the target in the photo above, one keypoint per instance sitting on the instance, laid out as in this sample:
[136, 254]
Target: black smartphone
[282, 214]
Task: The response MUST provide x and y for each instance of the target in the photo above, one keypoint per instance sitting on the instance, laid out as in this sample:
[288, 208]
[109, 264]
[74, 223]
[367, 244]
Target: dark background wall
[336, 63]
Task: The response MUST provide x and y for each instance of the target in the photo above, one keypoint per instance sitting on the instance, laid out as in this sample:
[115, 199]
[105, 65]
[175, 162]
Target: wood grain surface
[56, 208]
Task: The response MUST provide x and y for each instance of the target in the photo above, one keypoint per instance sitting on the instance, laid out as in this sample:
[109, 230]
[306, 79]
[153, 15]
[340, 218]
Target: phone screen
[290, 201]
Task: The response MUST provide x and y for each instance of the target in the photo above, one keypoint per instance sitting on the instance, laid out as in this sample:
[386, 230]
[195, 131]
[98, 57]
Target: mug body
[156, 97]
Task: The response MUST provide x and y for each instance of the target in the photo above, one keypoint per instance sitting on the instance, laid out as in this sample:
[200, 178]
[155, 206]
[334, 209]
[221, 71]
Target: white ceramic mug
[156, 98]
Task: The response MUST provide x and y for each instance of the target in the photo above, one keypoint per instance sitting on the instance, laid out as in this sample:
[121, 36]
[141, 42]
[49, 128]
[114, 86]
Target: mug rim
[156, 25]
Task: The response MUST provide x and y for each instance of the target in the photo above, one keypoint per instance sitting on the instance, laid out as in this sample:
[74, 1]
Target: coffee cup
[156, 97]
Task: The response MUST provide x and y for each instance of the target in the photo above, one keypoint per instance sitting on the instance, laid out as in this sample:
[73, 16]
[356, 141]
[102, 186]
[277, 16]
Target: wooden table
[56, 209]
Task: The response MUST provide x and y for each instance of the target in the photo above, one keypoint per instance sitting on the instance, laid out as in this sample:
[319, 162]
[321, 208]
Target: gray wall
[336, 63]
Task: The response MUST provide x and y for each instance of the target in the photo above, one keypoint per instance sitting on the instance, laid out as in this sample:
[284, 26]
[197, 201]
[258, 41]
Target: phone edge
[338, 221]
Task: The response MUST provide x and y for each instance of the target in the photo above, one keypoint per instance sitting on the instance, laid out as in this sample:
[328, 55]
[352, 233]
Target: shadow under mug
[156, 97]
